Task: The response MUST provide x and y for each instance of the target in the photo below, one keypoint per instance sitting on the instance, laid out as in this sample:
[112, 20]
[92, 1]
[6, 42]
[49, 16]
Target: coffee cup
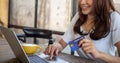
[31, 48]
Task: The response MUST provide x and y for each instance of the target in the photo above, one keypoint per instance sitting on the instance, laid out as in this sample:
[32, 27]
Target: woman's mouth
[84, 8]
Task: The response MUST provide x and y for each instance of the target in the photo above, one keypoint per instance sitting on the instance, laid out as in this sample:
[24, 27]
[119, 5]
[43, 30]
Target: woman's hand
[56, 48]
[89, 48]
[53, 50]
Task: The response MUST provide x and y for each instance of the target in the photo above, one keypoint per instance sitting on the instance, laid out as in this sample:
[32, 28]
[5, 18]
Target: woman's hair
[101, 19]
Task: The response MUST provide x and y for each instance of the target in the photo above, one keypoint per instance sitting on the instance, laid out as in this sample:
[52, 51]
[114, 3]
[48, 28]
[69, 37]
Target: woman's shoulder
[115, 14]
[75, 18]
[115, 21]
[115, 17]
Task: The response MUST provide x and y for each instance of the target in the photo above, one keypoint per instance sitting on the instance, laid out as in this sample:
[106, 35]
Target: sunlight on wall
[60, 14]
[117, 5]
[117, 1]
[4, 12]
[52, 14]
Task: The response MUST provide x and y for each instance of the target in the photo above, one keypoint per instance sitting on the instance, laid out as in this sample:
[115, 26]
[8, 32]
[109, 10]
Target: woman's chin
[86, 12]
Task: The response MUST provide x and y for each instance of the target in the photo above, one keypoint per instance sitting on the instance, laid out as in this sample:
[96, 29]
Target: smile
[84, 8]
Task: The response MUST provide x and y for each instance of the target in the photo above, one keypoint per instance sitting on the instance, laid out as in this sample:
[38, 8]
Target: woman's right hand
[53, 50]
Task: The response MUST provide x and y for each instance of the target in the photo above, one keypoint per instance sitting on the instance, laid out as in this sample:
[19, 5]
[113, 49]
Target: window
[51, 14]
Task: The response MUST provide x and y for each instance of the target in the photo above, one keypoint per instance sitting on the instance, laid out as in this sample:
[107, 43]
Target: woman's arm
[111, 59]
[89, 48]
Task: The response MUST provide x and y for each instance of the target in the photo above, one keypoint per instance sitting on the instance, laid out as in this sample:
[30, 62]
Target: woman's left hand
[89, 48]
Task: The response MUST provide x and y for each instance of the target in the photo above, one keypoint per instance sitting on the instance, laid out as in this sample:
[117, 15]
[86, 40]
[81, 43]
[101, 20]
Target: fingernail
[51, 57]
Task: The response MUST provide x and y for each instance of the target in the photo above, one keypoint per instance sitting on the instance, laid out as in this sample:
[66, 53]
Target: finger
[87, 50]
[80, 43]
[49, 49]
[85, 44]
[46, 51]
[51, 57]
[52, 52]
[84, 41]
[57, 51]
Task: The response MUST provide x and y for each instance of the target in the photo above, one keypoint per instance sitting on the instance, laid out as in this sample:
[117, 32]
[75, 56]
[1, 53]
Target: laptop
[20, 53]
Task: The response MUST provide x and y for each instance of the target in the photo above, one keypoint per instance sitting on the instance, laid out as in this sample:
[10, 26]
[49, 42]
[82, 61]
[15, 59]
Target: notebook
[20, 53]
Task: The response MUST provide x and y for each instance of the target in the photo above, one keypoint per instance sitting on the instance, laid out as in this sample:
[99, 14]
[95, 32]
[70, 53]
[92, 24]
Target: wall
[52, 14]
[117, 4]
[4, 12]
[22, 12]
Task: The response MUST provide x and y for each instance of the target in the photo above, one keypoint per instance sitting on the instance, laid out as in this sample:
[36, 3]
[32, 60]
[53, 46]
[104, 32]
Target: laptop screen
[15, 44]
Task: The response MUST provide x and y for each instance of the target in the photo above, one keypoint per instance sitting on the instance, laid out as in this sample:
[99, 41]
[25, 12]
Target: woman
[98, 21]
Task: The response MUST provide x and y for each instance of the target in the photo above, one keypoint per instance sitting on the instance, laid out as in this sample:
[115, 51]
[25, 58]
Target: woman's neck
[90, 17]
[89, 24]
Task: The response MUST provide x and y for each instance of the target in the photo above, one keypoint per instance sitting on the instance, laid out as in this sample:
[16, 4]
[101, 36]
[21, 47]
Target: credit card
[74, 43]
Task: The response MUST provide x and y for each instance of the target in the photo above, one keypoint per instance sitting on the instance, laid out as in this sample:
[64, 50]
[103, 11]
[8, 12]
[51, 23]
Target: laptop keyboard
[36, 59]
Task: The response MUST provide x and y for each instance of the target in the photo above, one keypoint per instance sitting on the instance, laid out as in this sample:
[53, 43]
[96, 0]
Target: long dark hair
[101, 19]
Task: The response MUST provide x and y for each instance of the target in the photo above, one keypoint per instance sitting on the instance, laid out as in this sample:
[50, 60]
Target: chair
[36, 33]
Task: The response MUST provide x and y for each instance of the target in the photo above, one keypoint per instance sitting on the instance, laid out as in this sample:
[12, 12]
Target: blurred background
[54, 15]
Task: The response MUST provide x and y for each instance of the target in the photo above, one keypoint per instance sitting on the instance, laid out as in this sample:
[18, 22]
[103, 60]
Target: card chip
[74, 43]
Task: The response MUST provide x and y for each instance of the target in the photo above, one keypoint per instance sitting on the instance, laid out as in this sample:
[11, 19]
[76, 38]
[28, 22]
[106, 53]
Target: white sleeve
[115, 19]
[69, 34]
